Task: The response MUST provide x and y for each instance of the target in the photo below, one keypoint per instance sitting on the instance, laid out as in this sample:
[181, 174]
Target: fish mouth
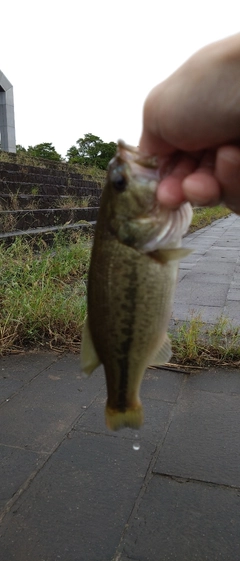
[160, 227]
[145, 168]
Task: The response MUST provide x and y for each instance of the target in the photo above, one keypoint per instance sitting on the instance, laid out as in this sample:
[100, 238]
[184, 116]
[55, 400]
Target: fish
[131, 282]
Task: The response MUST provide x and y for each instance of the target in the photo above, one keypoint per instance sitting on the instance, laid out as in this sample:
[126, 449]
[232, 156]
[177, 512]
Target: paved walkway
[209, 278]
[72, 491]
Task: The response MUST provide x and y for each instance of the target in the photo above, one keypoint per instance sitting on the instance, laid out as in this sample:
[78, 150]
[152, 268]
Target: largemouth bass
[131, 283]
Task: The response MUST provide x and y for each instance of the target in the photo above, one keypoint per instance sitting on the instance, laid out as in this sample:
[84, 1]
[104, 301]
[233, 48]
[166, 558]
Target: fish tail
[132, 417]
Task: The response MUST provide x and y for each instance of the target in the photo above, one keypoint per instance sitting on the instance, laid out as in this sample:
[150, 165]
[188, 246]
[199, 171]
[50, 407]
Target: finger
[228, 175]
[170, 192]
[202, 188]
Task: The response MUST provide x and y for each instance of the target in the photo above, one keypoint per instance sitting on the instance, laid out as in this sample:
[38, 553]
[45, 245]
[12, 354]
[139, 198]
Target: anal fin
[164, 353]
[89, 357]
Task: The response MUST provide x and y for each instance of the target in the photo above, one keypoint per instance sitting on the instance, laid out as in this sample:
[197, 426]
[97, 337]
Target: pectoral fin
[89, 358]
[165, 255]
[164, 353]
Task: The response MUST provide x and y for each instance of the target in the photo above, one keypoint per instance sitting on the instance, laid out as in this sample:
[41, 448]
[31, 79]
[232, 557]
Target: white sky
[83, 66]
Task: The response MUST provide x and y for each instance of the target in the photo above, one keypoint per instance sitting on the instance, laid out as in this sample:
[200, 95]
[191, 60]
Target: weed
[43, 294]
[8, 222]
[196, 343]
[91, 173]
[202, 217]
[73, 202]
[34, 190]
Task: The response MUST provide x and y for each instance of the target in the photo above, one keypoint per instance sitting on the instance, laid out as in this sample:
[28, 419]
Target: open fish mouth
[145, 169]
[153, 227]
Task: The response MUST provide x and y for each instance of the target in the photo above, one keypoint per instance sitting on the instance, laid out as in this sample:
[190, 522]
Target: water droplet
[136, 444]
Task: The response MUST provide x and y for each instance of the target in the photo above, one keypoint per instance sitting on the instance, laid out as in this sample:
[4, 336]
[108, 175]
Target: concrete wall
[7, 122]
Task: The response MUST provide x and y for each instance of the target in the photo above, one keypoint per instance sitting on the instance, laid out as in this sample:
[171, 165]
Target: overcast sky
[86, 66]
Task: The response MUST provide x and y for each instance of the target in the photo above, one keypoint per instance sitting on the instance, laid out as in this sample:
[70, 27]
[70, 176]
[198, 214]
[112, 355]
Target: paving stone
[219, 253]
[234, 294]
[184, 521]
[162, 384]
[26, 366]
[232, 242]
[215, 267]
[192, 258]
[218, 380]
[231, 310]
[157, 386]
[187, 266]
[235, 284]
[37, 419]
[77, 507]
[213, 257]
[156, 419]
[203, 439]
[16, 465]
[181, 274]
[197, 293]
[196, 277]
[8, 387]
[208, 314]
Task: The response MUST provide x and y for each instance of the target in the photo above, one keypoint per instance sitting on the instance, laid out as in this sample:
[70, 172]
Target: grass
[43, 305]
[64, 202]
[202, 217]
[195, 343]
[90, 173]
[43, 294]
[7, 223]
[74, 202]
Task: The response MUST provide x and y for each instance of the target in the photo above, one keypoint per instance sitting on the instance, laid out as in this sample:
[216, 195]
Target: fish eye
[118, 179]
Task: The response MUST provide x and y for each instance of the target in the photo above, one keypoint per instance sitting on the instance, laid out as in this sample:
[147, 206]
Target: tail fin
[132, 418]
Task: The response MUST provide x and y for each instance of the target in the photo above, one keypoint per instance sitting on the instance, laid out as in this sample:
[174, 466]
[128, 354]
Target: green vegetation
[43, 304]
[74, 202]
[89, 151]
[92, 151]
[44, 150]
[43, 293]
[195, 343]
[23, 158]
[204, 216]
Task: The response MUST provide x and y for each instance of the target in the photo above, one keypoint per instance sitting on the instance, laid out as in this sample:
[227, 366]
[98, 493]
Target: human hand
[192, 121]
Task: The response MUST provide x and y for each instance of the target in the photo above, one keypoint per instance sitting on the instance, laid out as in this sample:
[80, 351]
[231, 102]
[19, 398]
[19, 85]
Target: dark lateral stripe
[128, 331]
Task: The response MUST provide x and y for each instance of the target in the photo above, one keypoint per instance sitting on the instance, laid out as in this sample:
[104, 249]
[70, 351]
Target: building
[7, 122]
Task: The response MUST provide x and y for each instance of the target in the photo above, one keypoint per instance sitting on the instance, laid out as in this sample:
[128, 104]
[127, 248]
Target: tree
[73, 155]
[20, 149]
[92, 151]
[108, 150]
[44, 150]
